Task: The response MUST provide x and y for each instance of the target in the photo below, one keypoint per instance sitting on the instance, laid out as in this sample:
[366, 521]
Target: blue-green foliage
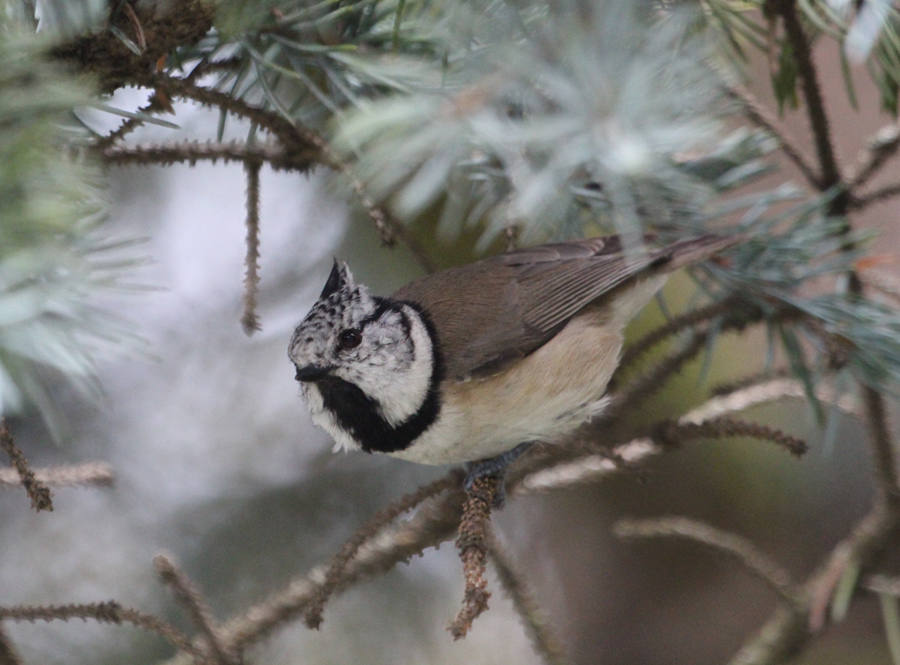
[52, 258]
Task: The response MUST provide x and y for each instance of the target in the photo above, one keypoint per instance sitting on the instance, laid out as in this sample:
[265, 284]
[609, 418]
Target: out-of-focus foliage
[867, 31]
[52, 258]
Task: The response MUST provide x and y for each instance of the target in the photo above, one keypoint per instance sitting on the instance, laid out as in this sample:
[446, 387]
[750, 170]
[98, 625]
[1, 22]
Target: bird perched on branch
[475, 363]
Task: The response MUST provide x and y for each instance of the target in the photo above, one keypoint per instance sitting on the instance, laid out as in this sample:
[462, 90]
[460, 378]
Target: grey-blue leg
[494, 466]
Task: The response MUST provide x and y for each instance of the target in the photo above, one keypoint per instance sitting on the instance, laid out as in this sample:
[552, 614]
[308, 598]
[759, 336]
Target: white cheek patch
[402, 392]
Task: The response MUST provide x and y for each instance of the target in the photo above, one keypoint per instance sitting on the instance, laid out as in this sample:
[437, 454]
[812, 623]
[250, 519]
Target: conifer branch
[812, 92]
[472, 543]
[191, 152]
[190, 597]
[8, 653]
[860, 201]
[515, 585]
[98, 474]
[250, 319]
[105, 612]
[336, 570]
[756, 561]
[879, 149]
[38, 492]
[765, 119]
[674, 326]
[677, 433]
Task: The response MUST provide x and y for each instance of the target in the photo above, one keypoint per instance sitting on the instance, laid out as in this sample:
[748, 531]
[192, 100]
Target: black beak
[310, 373]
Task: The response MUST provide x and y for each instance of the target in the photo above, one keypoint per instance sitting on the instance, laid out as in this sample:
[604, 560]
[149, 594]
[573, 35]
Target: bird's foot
[494, 466]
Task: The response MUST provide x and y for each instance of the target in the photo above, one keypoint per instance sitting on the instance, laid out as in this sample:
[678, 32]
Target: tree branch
[756, 561]
[812, 93]
[107, 612]
[879, 148]
[250, 319]
[515, 586]
[762, 117]
[37, 491]
[99, 474]
[189, 596]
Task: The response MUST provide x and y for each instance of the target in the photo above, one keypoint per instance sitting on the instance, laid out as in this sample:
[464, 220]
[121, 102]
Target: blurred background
[218, 464]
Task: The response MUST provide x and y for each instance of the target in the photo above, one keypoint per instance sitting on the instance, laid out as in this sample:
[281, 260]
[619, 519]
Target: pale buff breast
[541, 398]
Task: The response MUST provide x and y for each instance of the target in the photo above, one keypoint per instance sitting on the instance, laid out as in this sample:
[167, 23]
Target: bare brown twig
[250, 319]
[515, 585]
[106, 612]
[98, 474]
[128, 125]
[880, 148]
[812, 92]
[862, 200]
[672, 327]
[762, 117]
[191, 152]
[189, 596]
[37, 491]
[675, 433]
[742, 549]
[8, 653]
[336, 570]
[432, 524]
[472, 544]
[654, 378]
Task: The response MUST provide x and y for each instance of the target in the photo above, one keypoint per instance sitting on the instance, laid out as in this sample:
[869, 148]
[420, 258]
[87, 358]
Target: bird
[476, 363]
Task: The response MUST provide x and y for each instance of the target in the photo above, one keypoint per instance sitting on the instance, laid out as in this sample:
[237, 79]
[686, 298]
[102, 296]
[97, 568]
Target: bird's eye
[349, 339]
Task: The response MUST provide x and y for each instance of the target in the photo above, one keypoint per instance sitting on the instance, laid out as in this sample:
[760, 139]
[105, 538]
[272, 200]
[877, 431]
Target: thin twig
[380, 550]
[294, 137]
[190, 597]
[128, 125]
[515, 586]
[291, 135]
[672, 327]
[98, 474]
[863, 200]
[250, 319]
[777, 641]
[761, 116]
[37, 491]
[741, 398]
[106, 612]
[883, 444]
[594, 467]
[884, 282]
[756, 561]
[676, 433]
[654, 378]
[138, 28]
[879, 148]
[336, 571]
[473, 550]
[812, 92]
[434, 523]
[191, 152]
[882, 584]
[8, 653]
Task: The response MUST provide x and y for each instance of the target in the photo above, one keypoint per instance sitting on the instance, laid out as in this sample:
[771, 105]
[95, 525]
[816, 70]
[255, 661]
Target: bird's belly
[541, 398]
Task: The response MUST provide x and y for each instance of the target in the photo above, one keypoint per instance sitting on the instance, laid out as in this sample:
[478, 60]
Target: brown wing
[494, 311]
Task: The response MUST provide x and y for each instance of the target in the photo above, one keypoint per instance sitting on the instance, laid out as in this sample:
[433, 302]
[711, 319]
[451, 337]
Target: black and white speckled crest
[342, 305]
